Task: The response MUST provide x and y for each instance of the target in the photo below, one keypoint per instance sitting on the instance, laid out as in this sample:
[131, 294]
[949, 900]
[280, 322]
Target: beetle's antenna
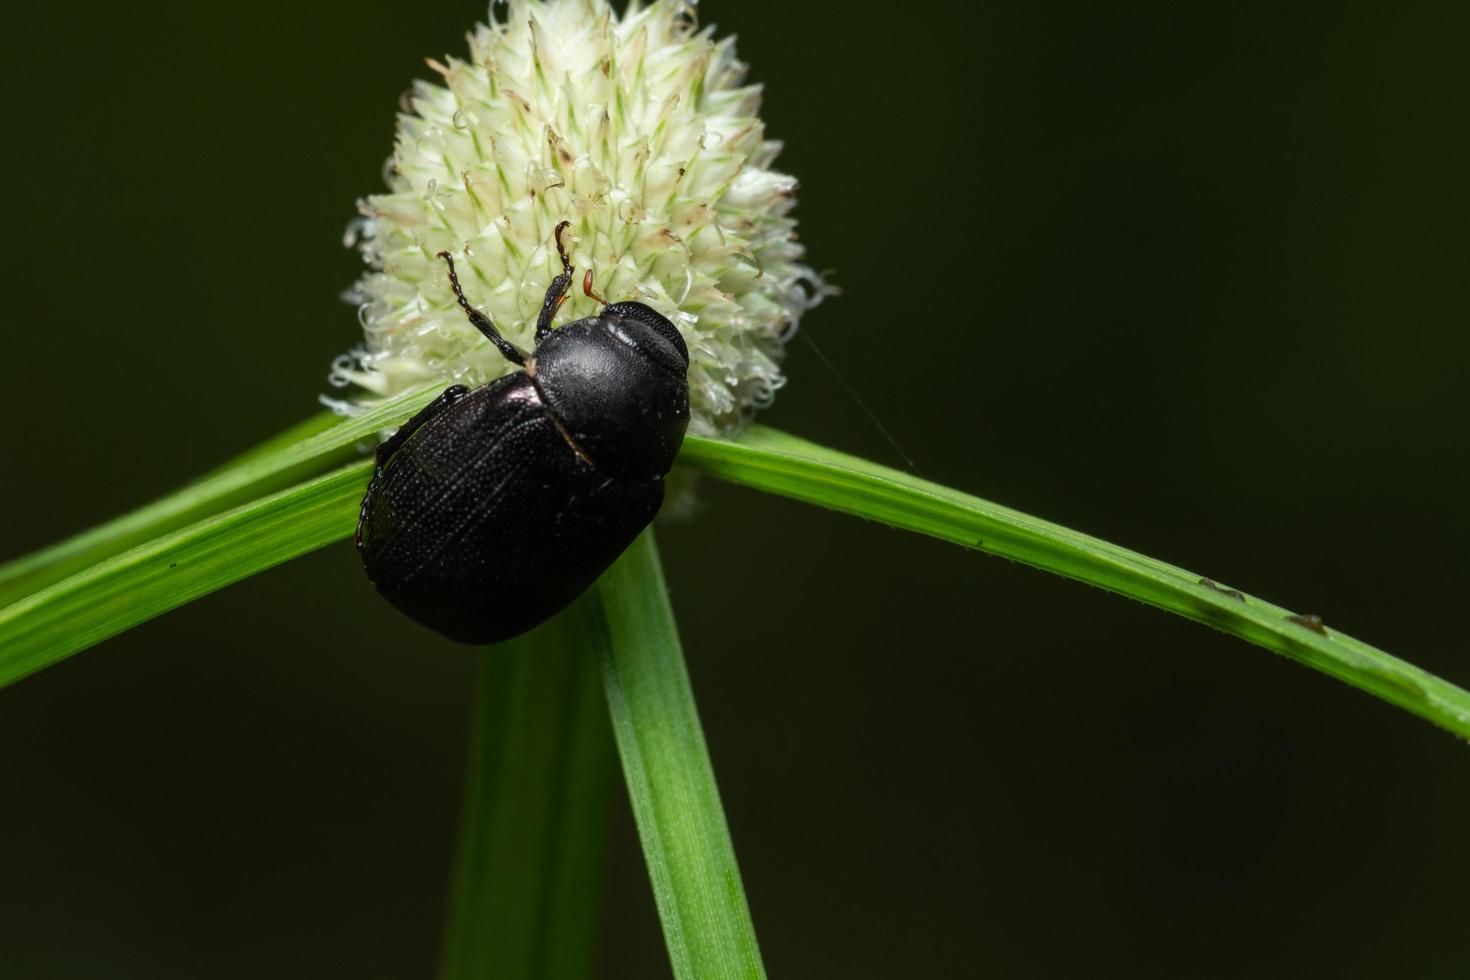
[481, 321]
[556, 293]
[857, 400]
[587, 288]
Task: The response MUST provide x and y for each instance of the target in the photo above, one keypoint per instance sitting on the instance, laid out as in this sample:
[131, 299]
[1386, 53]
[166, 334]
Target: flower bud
[641, 131]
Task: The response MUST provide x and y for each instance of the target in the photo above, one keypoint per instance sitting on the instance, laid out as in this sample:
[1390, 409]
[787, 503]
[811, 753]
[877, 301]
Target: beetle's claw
[566, 263]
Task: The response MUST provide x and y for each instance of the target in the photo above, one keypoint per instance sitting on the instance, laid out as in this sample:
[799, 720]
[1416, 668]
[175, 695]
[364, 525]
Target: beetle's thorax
[611, 383]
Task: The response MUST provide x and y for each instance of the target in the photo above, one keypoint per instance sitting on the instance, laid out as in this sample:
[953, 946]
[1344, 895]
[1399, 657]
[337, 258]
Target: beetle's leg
[587, 288]
[446, 399]
[481, 321]
[393, 443]
[556, 293]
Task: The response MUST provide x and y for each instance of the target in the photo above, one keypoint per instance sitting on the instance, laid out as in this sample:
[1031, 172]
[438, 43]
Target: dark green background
[1192, 279]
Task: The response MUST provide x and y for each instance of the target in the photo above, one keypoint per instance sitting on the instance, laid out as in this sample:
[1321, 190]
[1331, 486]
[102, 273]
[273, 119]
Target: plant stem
[686, 843]
[526, 891]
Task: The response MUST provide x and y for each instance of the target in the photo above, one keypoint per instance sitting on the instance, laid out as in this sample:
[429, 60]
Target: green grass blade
[526, 893]
[303, 450]
[686, 844]
[310, 426]
[773, 461]
[168, 571]
[763, 458]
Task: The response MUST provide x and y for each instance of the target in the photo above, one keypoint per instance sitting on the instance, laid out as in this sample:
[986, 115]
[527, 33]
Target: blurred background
[1189, 278]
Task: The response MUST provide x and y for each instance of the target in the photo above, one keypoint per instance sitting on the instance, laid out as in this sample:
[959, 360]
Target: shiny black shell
[494, 508]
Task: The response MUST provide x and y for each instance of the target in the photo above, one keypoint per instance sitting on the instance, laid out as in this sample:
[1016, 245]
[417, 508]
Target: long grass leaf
[779, 463]
[156, 576]
[769, 460]
[527, 885]
[686, 844]
[303, 450]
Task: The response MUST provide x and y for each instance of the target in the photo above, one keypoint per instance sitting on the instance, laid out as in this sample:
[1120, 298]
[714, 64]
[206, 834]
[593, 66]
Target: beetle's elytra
[494, 508]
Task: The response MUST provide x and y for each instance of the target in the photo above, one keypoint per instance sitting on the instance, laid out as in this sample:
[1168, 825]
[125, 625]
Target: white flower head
[640, 130]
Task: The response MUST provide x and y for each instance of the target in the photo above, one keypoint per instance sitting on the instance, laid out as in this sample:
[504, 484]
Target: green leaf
[175, 568]
[304, 450]
[686, 844]
[769, 460]
[528, 875]
[696, 883]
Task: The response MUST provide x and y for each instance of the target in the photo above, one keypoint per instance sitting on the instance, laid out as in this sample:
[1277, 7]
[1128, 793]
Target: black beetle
[491, 510]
